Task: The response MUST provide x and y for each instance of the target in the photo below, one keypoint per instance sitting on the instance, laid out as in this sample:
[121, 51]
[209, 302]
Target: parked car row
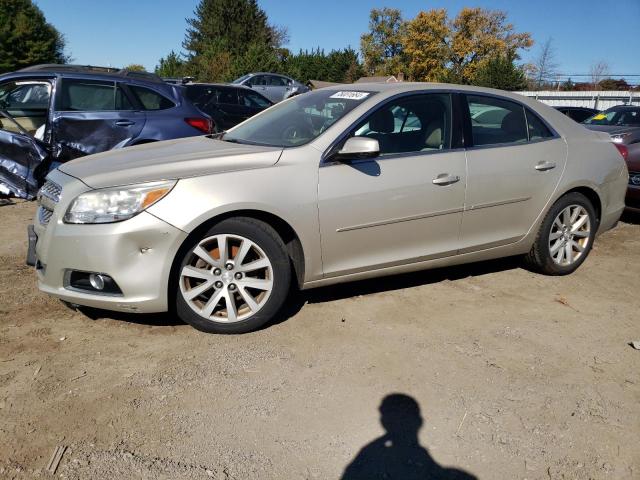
[339, 184]
[50, 114]
[622, 123]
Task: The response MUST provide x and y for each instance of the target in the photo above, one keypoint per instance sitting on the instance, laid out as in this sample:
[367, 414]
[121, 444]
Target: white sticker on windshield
[350, 95]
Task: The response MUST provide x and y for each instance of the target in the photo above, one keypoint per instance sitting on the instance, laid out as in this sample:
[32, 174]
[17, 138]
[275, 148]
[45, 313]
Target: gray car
[339, 184]
[274, 86]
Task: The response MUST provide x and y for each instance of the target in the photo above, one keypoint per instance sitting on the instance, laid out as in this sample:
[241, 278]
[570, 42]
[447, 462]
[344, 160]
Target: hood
[169, 160]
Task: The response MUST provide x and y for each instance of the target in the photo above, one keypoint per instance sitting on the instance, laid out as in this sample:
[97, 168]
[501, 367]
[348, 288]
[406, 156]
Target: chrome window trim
[325, 162]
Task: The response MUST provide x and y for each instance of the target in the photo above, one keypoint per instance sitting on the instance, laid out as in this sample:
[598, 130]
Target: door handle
[124, 123]
[445, 179]
[544, 166]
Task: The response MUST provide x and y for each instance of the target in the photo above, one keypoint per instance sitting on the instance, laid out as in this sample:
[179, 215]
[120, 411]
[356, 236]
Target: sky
[122, 32]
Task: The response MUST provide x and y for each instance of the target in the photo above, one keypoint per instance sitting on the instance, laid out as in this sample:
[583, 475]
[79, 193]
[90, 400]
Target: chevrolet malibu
[339, 184]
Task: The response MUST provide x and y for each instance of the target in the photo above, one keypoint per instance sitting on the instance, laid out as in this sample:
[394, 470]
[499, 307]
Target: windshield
[619, 116]
[299, 120]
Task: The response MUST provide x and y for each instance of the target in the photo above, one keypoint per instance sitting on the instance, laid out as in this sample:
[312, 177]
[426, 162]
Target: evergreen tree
[171, 66]
[500, 72]
[26, 38]
[224, 36]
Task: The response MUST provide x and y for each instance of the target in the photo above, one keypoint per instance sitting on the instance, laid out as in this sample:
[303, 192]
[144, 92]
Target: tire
[239, 260]
[559, 249]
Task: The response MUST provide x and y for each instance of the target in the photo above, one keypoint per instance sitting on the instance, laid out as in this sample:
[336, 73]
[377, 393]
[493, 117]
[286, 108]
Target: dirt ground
[516, 375]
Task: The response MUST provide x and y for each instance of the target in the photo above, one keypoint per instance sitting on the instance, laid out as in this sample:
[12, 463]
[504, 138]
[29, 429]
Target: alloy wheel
[570, 235]
[228, 278]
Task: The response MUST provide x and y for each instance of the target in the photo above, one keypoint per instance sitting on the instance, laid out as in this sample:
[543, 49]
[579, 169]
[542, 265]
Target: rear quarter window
[537, 129]
[150, 99]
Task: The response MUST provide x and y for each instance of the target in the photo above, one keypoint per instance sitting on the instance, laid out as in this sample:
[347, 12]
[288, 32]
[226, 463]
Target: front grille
[48, 198]
[634, 179]
[44, 215]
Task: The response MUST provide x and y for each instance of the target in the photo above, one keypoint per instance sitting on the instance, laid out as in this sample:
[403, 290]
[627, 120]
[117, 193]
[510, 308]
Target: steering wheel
[295, 133]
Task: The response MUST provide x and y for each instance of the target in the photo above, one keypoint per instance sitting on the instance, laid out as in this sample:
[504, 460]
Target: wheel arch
[283, 229]
[592, 195]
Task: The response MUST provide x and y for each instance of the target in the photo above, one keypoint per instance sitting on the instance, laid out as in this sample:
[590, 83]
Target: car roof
[253, 74]
[213, 84]
[624, 107]
[571, 107]
[92, 73]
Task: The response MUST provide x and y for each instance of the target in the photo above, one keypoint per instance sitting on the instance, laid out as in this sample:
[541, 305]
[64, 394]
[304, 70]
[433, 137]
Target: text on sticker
[350, 95]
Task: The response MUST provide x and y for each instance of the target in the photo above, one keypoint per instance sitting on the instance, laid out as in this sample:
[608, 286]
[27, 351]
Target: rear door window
[258, 80]
[150, 99]
[277, 81]
[201, 95]
[86, 96]
[495, 121]
[228, 96]
[253, 100]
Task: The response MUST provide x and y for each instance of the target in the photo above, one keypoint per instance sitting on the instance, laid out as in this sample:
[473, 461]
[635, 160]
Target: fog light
[93, 282]
[97, 281]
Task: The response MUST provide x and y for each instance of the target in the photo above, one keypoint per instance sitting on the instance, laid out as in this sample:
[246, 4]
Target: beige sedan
[339, 184]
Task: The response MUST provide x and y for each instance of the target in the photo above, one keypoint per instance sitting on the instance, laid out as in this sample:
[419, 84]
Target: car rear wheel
[565, 237]
[234, 278]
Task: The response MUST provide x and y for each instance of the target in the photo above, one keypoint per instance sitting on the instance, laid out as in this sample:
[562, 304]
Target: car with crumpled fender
[335, 185]
[50, 114]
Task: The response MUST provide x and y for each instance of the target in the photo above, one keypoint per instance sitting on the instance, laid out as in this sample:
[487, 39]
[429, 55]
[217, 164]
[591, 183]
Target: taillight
[624, 151]
[202, 124]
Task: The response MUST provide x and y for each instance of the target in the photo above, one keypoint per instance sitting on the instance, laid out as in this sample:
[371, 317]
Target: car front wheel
[234, 278]
[565, 237]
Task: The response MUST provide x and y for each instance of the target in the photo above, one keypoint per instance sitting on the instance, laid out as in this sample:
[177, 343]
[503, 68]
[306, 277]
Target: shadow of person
[398, 454]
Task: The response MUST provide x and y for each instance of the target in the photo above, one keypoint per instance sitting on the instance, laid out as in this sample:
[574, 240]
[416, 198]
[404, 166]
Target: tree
[427, 45]
[224, 36]
[279, 36]
[613, 84]
[382, 46]
[26, 38]
[597, 72]
[568, 85]
[135, 67]
[171, 66]
[545, 64]
[479, 35]
[501, 72]
[439, 48]
[337, 66]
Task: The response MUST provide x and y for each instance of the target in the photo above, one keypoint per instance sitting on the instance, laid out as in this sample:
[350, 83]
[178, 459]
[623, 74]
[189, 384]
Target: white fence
[596, 99]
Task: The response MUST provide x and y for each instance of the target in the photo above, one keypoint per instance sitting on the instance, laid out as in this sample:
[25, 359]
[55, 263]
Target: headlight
[115, 204]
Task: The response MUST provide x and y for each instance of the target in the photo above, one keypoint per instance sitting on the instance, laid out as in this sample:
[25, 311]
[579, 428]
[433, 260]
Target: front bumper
[137, 253]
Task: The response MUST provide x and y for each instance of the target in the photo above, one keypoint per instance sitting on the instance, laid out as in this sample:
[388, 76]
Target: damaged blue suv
[50, 114]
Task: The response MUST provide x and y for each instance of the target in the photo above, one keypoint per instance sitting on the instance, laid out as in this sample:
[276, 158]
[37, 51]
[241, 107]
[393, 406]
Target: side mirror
[356, 148]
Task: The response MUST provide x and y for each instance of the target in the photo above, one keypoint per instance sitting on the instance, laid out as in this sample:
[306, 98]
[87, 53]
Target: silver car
[272, 85]
[338, 184]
